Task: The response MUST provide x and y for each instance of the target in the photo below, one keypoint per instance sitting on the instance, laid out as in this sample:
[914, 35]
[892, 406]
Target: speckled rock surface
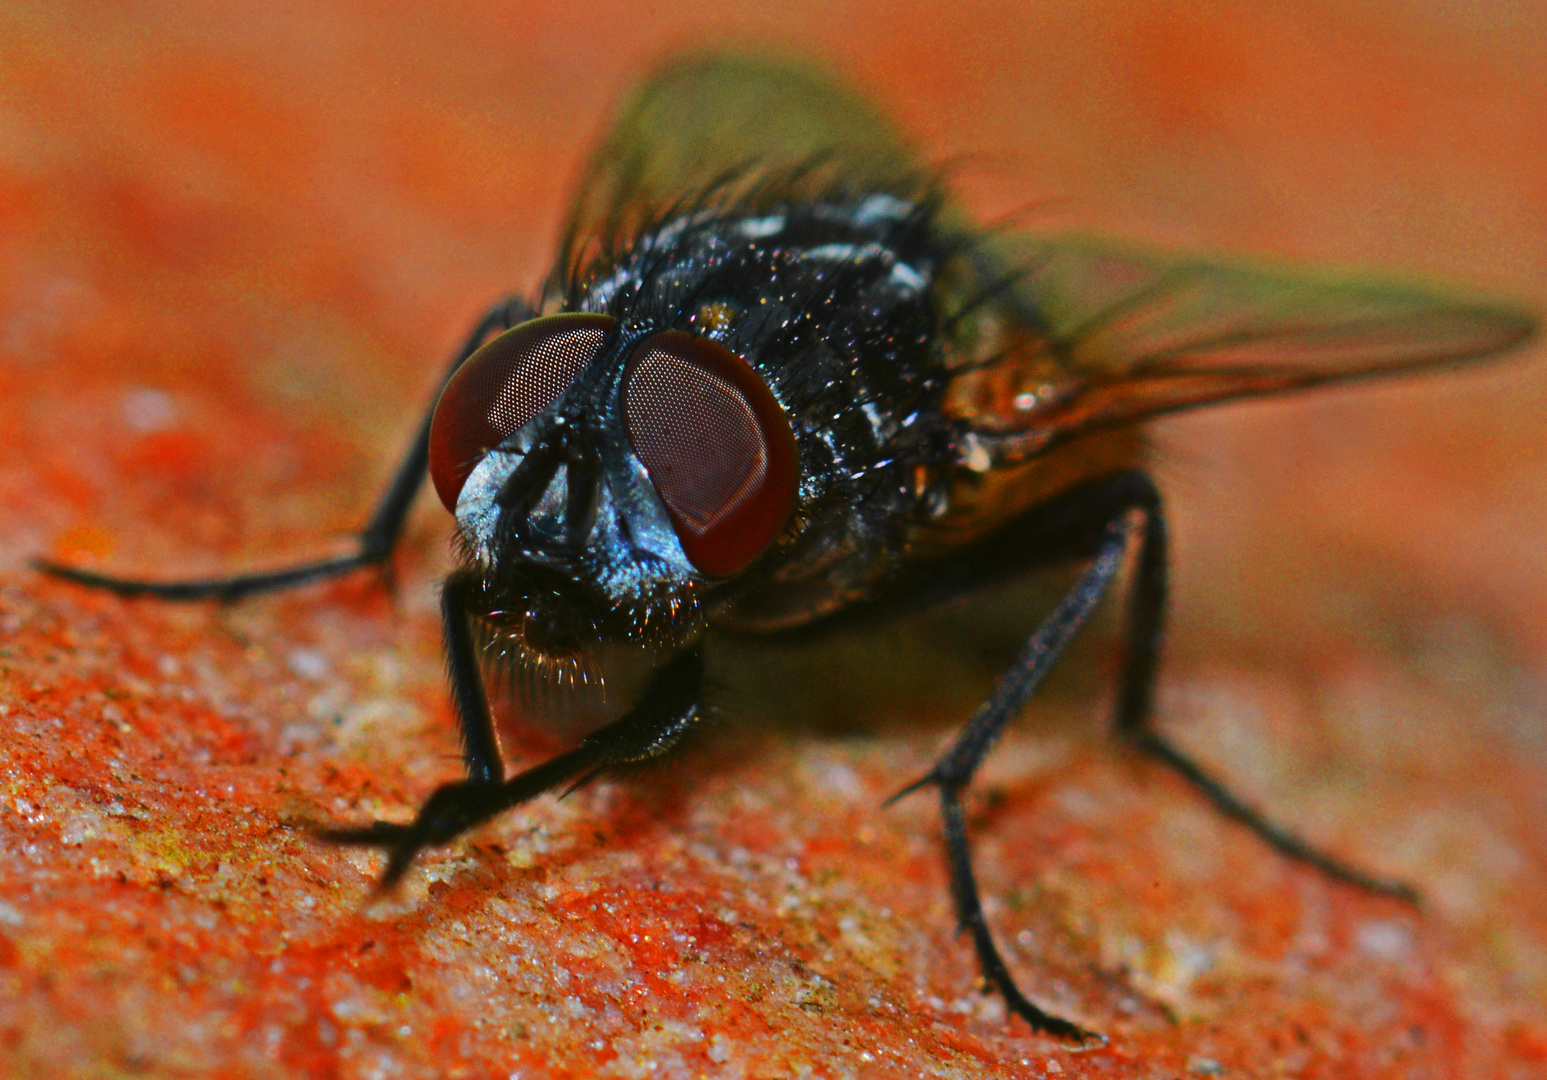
[236, 241]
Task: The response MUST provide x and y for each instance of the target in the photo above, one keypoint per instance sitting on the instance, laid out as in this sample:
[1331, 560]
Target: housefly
[776, 380]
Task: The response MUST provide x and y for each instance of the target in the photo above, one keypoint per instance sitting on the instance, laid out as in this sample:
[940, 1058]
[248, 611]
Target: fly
[777, 380]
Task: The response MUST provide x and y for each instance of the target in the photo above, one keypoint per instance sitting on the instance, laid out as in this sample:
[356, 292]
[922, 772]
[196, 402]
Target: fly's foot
[1047, 1023]
[945, 777]
[449, 812]
[929, 779]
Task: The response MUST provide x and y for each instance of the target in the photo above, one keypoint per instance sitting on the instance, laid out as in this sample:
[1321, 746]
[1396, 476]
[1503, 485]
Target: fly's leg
[954, 771]
[1135, 720]
[1091, 522]
[376, 540]
[480, 747]
[665, 713]
[1062, 529]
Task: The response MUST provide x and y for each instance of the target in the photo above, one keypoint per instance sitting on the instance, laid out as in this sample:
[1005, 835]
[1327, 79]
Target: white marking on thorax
[758, 228]
[879, 207]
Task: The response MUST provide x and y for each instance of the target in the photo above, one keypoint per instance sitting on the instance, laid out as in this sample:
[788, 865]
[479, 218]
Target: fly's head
[606, 476]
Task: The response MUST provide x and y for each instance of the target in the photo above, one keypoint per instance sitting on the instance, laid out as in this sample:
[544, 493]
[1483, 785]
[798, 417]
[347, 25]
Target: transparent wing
[1086, 332]
[722, 125]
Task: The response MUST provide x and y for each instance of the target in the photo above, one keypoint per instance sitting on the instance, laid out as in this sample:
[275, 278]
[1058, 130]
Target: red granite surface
[236, 241]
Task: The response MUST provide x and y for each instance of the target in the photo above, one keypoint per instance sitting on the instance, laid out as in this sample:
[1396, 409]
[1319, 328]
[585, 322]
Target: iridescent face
[631, 469]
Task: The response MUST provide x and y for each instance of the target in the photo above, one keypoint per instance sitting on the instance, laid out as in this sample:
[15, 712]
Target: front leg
[665, 713]
[375, 541]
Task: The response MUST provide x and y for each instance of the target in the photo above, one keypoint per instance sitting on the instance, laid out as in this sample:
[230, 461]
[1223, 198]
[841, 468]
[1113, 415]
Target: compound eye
[502, 387]
[717, 445]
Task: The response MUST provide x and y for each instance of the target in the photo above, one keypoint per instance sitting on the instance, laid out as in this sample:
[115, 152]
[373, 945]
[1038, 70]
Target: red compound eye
[718, 447]
[502, 387]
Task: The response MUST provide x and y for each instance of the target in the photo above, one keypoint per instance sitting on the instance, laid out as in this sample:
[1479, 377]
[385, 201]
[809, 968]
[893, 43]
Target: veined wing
[1090, 333]
[720, 129]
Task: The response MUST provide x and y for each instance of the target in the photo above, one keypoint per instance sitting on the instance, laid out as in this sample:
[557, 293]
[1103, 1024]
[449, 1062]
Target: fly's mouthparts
[548, 617]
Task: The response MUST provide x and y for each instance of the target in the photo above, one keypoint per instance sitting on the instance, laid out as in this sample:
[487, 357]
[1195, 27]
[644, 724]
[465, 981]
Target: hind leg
[1097, 522]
